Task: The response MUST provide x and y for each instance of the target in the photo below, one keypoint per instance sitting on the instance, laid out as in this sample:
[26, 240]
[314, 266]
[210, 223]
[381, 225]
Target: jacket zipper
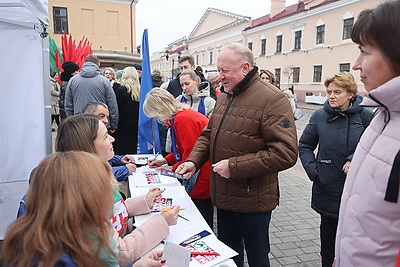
[215, 141]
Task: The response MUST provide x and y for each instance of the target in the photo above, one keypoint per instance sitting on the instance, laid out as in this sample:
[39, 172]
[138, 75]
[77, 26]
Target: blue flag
[148, 139]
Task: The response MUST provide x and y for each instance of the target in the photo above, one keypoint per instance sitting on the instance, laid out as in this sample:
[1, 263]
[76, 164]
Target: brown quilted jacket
[253, 128]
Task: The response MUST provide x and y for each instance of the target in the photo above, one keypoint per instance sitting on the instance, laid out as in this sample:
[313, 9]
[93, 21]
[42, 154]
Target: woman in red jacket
[186, 126]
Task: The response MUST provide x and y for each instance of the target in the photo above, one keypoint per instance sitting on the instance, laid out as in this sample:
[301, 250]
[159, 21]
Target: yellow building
[108, 24]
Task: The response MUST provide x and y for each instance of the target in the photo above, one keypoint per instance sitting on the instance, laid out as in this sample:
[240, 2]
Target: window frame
[295, 74]
[263, 47]
[250, 45]
[277, 75]
[320, 34]
[347, 28]
[297, 40]
[317, 74]
[342, 65]
[60, 20]
[278, 44]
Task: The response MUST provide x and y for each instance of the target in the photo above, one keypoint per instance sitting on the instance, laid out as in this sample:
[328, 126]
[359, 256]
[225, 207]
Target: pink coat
[134, 245]
[368, 232]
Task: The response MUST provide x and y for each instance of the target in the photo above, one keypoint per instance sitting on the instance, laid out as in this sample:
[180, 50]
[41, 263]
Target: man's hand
[187, 169]
[222, 168]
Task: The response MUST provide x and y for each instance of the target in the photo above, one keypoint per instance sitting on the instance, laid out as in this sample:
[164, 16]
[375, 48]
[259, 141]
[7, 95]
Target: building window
[279, 44]
[277, 76]
[297, 40]
[250, 45]
[320, 34]
[347, 25]
[210, 58]
[344, 67]
[263, 46]
[317, 74]
[197, 60]
[60, 20]
[296, 74]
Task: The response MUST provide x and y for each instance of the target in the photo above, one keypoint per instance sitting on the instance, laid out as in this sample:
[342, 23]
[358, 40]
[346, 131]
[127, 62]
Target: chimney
[277, 6]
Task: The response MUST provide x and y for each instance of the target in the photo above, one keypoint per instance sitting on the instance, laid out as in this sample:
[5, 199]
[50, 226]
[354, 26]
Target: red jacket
[188, 125]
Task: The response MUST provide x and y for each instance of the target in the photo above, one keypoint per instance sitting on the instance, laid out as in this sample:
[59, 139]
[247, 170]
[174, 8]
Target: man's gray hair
[242, 53]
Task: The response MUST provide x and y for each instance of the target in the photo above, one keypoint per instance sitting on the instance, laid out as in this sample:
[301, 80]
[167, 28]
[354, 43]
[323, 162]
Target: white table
[191, 213]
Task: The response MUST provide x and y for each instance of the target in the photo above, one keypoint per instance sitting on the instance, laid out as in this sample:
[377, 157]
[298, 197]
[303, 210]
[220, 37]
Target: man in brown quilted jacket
[250, 137]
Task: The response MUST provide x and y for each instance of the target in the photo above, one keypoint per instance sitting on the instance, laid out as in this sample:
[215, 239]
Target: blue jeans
[236, 229]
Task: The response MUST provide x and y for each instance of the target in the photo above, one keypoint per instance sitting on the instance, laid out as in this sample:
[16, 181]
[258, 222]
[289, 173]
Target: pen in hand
[164, 210]
[155, 157]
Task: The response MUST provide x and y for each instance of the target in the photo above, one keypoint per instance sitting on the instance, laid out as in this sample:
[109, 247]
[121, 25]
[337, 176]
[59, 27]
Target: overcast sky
[170, 20]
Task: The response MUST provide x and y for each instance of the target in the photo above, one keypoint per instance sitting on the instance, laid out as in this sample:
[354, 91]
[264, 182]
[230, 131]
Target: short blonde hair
[288, 93]
[192, 75]
[111, 70]
[161, 104]
[343, 79]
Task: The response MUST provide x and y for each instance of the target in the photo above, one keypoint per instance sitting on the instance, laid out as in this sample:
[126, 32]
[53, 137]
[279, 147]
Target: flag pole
[153, 135]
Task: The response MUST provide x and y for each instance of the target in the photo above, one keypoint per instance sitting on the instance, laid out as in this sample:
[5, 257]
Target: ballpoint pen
[164, 210]
[155, 157]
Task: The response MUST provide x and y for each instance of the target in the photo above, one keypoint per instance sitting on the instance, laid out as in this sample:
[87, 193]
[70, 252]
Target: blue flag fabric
[148, 139]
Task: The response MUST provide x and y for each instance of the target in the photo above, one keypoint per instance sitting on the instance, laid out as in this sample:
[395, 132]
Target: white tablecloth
[177, 195]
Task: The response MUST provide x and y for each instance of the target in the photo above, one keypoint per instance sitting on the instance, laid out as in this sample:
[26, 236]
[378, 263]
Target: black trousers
[236, 229]
[328, 228]
[206, 209]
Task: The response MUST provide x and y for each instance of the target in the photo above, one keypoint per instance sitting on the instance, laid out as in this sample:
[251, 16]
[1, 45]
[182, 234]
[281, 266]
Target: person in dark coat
[335, 129]
[128, 106]
[156, 78]
[70, 69]
[187, 62]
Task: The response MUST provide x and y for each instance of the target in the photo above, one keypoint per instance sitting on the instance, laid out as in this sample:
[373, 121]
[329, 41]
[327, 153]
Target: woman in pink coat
[369, 218]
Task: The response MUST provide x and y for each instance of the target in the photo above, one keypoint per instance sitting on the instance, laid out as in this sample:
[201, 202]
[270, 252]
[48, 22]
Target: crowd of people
[229, 135]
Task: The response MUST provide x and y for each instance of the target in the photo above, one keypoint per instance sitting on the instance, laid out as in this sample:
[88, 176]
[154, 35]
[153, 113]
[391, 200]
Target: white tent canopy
[25, 136]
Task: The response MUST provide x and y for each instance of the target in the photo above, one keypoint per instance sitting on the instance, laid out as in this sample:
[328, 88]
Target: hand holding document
[153, 196]
[171, 174]
[187, 169]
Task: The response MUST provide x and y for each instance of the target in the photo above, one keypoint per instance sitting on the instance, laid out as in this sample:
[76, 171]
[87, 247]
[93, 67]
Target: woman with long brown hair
[64, 221]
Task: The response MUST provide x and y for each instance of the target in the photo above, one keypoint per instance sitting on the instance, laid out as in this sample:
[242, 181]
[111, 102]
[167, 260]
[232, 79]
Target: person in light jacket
[55, 94]
[195, 93]
[368, 232]
[335, 130]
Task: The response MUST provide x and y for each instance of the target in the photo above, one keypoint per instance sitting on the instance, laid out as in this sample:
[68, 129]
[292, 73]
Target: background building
[108, 25]
[302, 44]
